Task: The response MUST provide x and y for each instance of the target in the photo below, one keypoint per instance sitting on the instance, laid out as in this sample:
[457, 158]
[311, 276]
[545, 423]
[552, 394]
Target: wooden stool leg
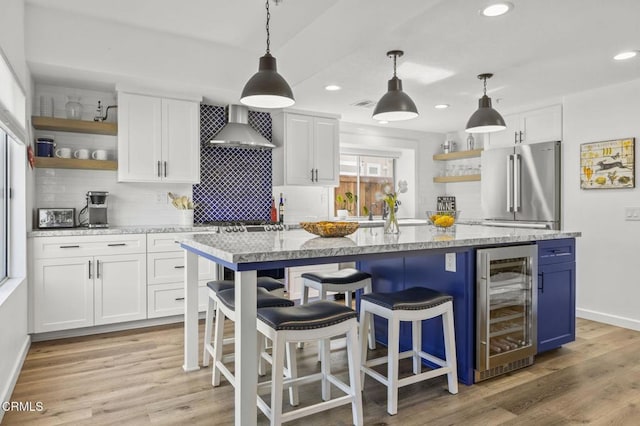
[208, 322]
[365, 324]
[325, 367]
[371, 329]
[323, 343]
[348, 299]
[305, 300]
[217, 348]
[450, 348]
[354, 377]
[277, 367]
[292, 363]
[416, 334]
[261, 361]
[392, 366]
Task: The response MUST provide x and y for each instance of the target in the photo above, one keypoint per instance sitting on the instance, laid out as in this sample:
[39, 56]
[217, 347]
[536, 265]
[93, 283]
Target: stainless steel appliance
[237, 133]
[56, 218]
[521, 186]
[97, 209]
[507, 297]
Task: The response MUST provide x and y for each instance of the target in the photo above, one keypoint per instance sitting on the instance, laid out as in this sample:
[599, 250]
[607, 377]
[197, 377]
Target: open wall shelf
[74, 126]
[449, 179]
[458, 155]
[73, 163]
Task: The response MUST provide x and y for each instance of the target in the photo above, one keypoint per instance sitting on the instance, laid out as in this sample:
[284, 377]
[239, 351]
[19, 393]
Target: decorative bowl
[330, 229]
[442, 219]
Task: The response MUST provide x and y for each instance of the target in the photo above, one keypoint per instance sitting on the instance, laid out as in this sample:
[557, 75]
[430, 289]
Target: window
[364, 176]
[4, 206]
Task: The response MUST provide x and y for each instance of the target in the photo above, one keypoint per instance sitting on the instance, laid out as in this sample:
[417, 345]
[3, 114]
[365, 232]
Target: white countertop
[115, 230]
[298, 244]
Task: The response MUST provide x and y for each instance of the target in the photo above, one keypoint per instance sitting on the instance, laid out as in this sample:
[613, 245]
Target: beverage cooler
[506, 306]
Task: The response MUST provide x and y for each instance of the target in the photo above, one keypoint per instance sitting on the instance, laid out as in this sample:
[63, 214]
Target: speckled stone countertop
[298, 244]
[115, 230]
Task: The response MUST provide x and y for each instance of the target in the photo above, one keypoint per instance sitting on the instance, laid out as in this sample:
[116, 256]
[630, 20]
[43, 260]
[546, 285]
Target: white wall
[608, 271]
[14, 340]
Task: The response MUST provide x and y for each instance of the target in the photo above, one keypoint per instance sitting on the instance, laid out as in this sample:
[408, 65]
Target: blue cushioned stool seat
[414, 298]
[306, 317]
[264, 299]
[342, 276]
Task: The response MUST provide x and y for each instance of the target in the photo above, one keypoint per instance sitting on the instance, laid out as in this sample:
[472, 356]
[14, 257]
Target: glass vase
[391, 223]
[73, 108]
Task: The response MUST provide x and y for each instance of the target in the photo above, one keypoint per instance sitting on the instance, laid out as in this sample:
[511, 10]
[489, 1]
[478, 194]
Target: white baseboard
[7, 391]
[616, 320]
[85, 331]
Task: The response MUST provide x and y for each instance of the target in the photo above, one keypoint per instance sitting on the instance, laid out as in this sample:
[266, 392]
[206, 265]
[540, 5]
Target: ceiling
[540, 51]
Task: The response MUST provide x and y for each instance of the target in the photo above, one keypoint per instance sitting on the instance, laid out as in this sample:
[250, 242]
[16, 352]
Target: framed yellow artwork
[608, 164]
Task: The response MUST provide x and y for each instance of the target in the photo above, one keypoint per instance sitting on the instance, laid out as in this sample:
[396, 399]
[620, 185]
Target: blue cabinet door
[556, 305]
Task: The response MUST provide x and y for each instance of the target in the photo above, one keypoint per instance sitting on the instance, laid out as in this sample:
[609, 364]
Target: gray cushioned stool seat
[268, 283]
[306, 317]
[413, 298]
[264, 299]
[343, 276]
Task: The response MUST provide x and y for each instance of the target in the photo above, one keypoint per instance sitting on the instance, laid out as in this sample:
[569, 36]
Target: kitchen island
[245, 253]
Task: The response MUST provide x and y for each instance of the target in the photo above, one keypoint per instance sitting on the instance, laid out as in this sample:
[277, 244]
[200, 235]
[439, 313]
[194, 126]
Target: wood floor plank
[135, 378]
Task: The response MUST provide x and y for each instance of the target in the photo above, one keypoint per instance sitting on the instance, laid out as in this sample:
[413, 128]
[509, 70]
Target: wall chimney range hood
[237, 133]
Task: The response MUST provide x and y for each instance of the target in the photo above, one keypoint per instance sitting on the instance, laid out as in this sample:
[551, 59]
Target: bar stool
[270, 284]
[225, 308]
[315, 321]
[413, 304]
[341, 281]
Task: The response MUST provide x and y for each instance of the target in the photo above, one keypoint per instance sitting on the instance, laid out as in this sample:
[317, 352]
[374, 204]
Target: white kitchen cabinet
[118, 294]
[539, 125]
[158, 139]
[307, 149]
[81, 281]
[293, 277]
[165, 276]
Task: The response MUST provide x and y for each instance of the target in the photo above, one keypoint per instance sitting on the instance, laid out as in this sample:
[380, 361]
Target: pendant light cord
[268, 19]
[485, 86]
[395, 58]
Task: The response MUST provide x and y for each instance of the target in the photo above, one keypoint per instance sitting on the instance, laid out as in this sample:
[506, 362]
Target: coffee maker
[97, 209]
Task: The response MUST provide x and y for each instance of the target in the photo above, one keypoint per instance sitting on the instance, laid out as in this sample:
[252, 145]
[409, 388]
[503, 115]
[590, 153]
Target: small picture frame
[608, 164]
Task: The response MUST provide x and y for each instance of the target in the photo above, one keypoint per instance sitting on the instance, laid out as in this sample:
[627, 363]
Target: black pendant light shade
[485, 119]
[267, 88]
[395, 105]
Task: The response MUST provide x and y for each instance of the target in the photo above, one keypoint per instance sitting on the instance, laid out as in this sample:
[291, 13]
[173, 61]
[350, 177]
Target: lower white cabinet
[168, 299]
[294, 279]
[87, 281]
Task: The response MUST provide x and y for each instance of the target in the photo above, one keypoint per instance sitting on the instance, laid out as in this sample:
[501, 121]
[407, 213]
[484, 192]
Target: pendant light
[267, 88]
[485, 119]
[395, 105]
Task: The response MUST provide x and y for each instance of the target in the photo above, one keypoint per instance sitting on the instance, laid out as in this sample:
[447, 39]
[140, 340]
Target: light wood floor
[135, 378]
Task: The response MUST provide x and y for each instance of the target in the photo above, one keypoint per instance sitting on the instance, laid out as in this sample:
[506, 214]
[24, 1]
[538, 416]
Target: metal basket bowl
[442, 219]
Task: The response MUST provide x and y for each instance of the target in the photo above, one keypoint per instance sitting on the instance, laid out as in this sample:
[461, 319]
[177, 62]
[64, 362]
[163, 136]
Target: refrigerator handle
[516, 183]
[510, 183]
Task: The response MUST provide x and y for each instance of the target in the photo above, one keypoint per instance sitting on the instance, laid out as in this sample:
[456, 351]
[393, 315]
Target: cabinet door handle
[515, 137]
[159, 175]
[179, 267]
[316, 175]
[541, 282]
[520, 136]
[311, 175]
[69, 246]
[179, 298]
[117, 244]
[90, 266]
[97, 269]
[165, 169]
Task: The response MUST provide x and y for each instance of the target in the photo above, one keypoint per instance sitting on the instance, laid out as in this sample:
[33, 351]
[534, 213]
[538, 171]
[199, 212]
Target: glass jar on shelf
[73, 108]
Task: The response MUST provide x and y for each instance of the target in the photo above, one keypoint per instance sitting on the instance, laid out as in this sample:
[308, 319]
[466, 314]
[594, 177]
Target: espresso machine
[97, 209]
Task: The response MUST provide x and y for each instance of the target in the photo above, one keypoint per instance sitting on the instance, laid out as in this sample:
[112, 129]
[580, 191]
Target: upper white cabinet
[307, 151]
[158, 139]
[539, 125]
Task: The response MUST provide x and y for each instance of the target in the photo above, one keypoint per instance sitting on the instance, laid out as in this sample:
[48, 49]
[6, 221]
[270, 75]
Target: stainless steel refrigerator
[521, 186]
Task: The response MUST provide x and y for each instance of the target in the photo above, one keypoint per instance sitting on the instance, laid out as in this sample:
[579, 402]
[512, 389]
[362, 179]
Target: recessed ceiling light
[625, 55]
[383, 122]
[332, 87]
[497, 9]
[441, 106]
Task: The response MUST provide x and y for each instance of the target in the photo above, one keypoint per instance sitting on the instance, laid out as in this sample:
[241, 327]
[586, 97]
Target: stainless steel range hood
[237, 133]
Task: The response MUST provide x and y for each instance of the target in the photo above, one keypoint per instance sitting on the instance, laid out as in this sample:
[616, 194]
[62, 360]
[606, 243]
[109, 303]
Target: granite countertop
[115, 230]
[299, 244]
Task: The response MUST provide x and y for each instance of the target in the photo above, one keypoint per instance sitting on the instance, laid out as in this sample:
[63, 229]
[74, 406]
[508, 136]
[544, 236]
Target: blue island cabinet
[556, 293]
[428, 270]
